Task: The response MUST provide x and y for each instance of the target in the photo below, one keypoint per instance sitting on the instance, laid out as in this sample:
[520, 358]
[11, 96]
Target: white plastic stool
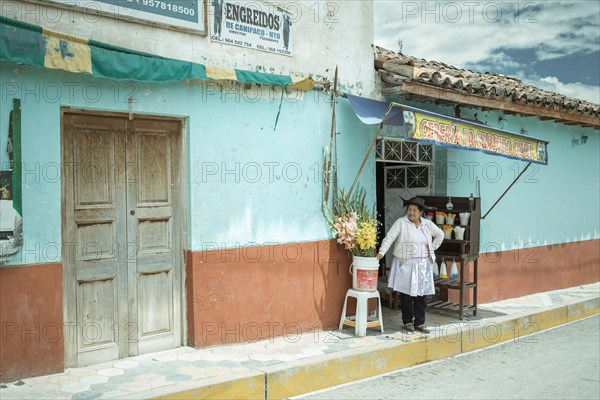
[360, 321]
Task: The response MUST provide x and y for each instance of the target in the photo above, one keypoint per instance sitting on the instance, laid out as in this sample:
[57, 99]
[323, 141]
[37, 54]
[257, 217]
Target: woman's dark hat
[417, 201]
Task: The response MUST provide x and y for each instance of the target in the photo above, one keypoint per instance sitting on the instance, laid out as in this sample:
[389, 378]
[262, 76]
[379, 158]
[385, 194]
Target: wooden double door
[122, 236]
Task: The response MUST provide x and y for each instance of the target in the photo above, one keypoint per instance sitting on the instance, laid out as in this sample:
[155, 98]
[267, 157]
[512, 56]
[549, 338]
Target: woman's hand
[379, 256]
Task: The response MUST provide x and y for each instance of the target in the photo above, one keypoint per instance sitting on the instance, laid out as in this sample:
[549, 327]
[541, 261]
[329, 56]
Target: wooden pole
[507, 189]
[333, 100]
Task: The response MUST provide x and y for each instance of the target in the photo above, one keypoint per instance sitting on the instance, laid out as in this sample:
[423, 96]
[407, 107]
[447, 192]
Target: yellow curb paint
[547, 319]
[446, 345]
[309, 377]
[494, 332]
[252, 387]
[583, 309]
[490, 333]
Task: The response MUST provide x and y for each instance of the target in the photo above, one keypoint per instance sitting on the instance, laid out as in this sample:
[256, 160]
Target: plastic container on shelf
[459, 233]
[447, 229]
[440, 217]
[453, 270]
[443, 272]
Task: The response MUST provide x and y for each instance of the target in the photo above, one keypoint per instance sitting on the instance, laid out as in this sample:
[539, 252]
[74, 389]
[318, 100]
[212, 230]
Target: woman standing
[415, 239]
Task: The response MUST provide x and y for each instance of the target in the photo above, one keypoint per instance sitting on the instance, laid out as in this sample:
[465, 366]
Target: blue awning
[371, 111]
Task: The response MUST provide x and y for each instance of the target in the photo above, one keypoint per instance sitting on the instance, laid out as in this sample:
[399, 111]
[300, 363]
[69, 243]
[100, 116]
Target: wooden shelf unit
[462, 251]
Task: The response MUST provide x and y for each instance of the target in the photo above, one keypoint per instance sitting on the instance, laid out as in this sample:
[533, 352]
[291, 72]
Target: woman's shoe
[422, 328]
[409, 327]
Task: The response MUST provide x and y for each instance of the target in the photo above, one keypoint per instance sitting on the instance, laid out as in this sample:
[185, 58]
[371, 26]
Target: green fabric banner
[120, 65]
[23, 43]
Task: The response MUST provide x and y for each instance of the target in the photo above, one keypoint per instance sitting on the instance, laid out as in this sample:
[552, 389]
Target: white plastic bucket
[365, 271]
[459, 233]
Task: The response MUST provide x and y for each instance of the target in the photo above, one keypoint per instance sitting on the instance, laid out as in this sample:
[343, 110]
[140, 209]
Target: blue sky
[552, 45]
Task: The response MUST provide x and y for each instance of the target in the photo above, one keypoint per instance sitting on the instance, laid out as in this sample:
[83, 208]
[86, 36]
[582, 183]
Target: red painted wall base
[31, 317]
[248, 294]
[515, 273]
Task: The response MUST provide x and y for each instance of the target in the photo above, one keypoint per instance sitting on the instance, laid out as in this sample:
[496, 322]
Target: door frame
[69, 335]
[382, 163]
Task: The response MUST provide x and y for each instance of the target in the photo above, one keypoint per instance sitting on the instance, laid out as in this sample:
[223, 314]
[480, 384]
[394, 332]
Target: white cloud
[578, 90]
[472, 34]
[471, 31]
[494, 63]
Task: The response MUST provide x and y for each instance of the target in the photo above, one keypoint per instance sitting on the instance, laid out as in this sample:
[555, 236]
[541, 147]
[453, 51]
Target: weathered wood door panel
[152, 220]
[121, 229]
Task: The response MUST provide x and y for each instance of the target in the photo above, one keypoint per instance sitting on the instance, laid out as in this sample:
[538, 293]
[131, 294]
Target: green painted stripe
[21, 43]
[17, 158]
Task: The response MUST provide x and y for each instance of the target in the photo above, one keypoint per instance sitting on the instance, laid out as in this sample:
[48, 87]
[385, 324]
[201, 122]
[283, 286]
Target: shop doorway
[122, 235]
[404, 170]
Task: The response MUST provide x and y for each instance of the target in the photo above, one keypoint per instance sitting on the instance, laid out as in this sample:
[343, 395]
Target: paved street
[561, 363]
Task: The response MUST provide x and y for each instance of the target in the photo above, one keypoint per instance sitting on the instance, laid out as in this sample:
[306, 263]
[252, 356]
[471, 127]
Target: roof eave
[439, 93]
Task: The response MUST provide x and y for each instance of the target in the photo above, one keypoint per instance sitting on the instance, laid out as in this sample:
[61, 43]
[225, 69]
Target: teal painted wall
[253, 185]
[554, 203]
[248, 183]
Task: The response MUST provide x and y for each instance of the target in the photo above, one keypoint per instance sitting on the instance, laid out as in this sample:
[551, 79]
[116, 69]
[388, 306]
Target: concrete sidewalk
[301, 363]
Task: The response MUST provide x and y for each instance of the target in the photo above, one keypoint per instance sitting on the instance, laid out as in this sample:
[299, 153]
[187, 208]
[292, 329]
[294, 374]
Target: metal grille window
[407, 177]
[400, 150]
[409, 151]
[417, 177]
[395, 178]
[392, 150]
[425, 152]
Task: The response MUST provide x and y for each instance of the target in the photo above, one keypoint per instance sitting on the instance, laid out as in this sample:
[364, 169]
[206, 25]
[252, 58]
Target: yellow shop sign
[453, 132]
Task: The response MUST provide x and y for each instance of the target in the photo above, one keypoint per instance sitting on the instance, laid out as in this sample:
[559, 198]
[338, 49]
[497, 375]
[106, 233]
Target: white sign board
[184, 14]
[255, 25]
